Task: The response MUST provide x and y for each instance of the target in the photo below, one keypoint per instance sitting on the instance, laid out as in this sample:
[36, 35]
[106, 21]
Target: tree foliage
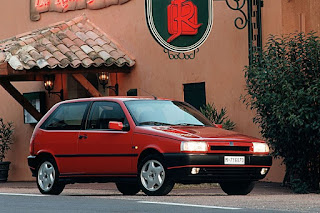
[209, 110]
[283, 86]
[6, 131]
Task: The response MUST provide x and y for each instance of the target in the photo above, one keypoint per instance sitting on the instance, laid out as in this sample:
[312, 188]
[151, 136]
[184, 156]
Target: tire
[47, 178]
[152, 176]
[237, 188]
[128, 188]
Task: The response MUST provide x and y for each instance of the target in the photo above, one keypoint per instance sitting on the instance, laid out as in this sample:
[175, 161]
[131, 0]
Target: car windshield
[164, 113]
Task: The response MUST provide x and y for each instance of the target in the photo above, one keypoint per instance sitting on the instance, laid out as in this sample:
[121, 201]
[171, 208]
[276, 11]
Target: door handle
[83, 136]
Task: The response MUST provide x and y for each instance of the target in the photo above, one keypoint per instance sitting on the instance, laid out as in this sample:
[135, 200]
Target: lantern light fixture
[104, 80]
[49, 86]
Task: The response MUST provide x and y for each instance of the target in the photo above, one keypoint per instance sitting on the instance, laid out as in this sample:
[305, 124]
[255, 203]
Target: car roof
[114, 98]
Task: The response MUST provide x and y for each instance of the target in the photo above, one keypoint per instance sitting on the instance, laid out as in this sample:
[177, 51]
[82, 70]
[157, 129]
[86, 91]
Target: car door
[105, 151]
[60, 133]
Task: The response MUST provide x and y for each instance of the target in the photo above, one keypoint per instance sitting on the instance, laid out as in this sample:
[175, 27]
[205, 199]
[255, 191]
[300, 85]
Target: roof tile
[76, 42]
[93, 55]
[116, 55]
[108, 48]
[74, 48]
[87, 62]
[2, 57]
[86, 49]
[51, 48]
[35, 55]
[76, 63]
[91, 42]
[92, 35]
[45, 41]
[70, 34]
[98, 61]
[97, 48]
[70, 23]
[64, 63]
[53, 62]
[82, 36]
[68, 42]
[101, 42]
[61, 35]
[63, 48]
[55, 30]
[41, 63]
[71, 56]
[79, 42]
[81, 55]
[46, 54]
[59, 56]
[31, 64]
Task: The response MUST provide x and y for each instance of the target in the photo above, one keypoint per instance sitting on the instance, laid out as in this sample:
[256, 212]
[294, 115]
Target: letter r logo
[182, 19]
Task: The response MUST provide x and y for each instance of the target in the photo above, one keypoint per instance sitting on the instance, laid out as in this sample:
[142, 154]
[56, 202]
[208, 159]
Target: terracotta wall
[10, 110]
[219, 63]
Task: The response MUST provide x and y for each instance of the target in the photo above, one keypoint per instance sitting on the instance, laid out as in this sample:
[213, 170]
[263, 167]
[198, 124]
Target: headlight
[260, 147]
[192, 146]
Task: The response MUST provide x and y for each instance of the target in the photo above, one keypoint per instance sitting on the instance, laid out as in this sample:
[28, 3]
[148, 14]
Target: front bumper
[32, 162]
[212, 168]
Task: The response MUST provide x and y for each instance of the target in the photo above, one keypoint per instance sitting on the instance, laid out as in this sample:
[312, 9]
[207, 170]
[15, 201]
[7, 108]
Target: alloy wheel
[152, 175]
[46, 176]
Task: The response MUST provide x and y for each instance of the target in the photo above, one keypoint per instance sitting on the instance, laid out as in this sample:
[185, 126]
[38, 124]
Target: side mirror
[218, 126]
[115, 125]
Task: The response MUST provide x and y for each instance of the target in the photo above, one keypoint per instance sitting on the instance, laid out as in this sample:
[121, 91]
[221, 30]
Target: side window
[66, 117]
[102, 113]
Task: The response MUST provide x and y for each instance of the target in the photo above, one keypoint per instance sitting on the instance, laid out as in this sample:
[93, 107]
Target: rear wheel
[152, 176]
[47, 178]
[128, 188]
[237, 188]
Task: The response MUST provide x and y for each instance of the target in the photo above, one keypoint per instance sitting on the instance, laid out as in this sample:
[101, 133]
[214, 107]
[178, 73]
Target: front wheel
[152, 176]
[237, 188]
[47, 178]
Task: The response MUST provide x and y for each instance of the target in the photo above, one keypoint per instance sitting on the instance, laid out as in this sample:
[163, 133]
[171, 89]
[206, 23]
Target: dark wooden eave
[7, 74]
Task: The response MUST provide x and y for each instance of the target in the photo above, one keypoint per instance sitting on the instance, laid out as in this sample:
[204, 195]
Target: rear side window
[67, 116]
[102, 113]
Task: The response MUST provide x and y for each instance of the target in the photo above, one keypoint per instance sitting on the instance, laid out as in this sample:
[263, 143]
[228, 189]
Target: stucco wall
[219, 63]
[10, 110]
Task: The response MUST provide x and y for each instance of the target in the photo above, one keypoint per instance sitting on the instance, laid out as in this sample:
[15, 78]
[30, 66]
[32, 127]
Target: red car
[143, 144]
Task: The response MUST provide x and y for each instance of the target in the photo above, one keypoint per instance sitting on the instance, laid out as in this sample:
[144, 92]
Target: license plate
[234, 160]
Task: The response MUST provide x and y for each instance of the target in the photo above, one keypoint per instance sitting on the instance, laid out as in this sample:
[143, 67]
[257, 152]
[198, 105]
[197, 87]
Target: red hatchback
[141, 144]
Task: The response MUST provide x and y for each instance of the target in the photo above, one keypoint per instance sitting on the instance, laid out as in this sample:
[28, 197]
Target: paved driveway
[265, 196]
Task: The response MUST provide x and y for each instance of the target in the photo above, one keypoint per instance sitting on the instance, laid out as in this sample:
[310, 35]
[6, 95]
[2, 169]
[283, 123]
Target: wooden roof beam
[87, 85]
[5, 83]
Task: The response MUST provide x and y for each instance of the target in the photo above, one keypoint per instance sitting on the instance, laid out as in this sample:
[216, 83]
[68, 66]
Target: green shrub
[6, 131]
[210, 111]
[283, 86]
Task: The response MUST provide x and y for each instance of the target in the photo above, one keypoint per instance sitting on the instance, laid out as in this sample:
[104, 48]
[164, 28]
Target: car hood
[196, 133]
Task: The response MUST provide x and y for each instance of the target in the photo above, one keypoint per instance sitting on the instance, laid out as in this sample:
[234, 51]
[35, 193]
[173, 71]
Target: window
[195, 94]
[66, 117]
[103, 112]
[162, 112]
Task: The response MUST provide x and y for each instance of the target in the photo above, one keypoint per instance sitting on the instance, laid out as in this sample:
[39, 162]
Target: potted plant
[6, 131]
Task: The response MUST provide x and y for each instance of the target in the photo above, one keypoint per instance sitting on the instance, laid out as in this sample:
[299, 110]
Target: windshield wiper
[155, 123]
[187, 124]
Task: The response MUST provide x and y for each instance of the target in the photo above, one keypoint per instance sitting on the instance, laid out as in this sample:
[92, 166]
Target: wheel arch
[148, 151]
[45, 155]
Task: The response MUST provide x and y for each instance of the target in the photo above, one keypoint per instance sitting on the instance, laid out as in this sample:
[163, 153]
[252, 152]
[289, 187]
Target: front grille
[230, 148]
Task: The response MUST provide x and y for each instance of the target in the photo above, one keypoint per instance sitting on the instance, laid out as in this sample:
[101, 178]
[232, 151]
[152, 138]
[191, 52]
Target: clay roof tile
[74, 42]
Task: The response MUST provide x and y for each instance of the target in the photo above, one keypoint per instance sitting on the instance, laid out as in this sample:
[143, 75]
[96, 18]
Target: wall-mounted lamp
[104, 79]
[49, 85]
